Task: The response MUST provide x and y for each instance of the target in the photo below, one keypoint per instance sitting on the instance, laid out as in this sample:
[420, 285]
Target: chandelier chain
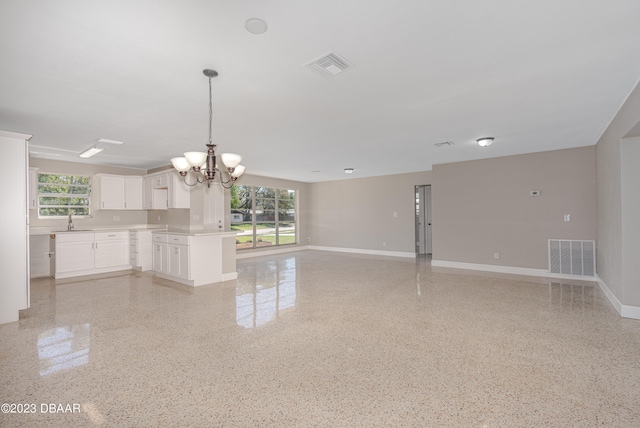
[210, 111]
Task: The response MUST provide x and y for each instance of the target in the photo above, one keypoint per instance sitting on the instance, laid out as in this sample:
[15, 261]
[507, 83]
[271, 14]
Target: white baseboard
[490, 268]
[625, 311]
[229, 276]
[508, 269]
[363, 251]
[246, 254]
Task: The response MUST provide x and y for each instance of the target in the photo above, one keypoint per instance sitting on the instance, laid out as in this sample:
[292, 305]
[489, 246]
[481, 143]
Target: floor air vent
[568, 257]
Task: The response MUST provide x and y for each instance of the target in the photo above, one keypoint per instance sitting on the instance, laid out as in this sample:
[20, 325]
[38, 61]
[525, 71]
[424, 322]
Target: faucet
[70, 225]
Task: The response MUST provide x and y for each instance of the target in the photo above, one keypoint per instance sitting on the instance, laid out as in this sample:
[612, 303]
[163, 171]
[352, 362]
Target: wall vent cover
[329, 64]
[571, 257]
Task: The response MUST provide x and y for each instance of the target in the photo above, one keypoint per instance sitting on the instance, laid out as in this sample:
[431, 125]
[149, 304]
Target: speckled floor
[321, 339]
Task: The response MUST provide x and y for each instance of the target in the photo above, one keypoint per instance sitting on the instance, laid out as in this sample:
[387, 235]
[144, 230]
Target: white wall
[614, 257]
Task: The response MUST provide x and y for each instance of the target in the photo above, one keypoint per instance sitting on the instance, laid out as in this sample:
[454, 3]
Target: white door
[423, 219]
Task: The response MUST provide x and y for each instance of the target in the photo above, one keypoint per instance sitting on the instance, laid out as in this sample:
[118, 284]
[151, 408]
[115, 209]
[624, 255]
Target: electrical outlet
[158, 217]
[567, 217]
[496, 256]
[384, 244]
[116, 218]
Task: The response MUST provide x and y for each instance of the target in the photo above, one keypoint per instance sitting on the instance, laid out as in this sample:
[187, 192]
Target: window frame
[253, 209]
[69, 196]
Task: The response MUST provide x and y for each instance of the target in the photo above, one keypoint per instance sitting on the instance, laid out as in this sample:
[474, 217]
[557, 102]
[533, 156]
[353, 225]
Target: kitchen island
[194, 258]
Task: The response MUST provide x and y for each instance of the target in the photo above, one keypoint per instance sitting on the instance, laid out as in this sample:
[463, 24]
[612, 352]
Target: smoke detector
[329, 64]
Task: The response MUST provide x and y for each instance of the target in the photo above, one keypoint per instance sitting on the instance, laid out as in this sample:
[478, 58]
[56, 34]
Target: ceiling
[537, 75]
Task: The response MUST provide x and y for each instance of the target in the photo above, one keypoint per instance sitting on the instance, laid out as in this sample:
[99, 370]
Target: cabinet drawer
[74, 237]
[159, 237]
[109, 236]
[178, 239]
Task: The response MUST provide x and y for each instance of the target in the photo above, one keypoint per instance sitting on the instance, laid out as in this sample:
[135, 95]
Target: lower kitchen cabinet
[86, 253]
[196, 259]
[140, 250]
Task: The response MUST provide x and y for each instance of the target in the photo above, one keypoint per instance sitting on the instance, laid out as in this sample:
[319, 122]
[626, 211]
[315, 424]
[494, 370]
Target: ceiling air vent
[329, 64]
[444, 144]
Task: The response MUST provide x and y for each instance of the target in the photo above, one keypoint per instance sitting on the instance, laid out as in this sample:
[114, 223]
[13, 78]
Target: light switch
[567, 217]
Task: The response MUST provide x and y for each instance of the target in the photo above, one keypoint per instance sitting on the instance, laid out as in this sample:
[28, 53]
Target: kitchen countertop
[196, 232]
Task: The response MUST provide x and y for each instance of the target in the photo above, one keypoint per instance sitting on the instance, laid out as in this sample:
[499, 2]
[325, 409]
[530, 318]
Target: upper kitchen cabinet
[119, 192]
[164, 190]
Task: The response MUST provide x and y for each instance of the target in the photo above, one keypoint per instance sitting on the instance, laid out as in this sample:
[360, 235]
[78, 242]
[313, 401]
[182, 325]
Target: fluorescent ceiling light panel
[90, 152]
[105, 141]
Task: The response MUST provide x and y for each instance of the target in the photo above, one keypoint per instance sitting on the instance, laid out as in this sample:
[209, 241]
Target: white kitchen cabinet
[118, 192]
[133, 192]
[164, 190]
[178, 256]
[154, 198]
[86, 253]
[14, 225]
[111, 249]
[73, 253]
[33, 188]
[160, 253]
[140, 250]
[195, 259]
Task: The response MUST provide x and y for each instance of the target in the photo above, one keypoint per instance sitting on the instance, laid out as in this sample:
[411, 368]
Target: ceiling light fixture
[256, 26]
[91, 151]
[204, 164]
[348, 170]
[485, 141]
[97, 148]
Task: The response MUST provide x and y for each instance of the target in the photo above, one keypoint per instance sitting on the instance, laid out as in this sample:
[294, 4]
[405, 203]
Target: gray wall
[612, 259]
[483, 207]
[99, 217]
[359, 213]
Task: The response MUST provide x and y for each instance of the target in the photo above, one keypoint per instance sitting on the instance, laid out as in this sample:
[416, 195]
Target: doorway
[423, 219]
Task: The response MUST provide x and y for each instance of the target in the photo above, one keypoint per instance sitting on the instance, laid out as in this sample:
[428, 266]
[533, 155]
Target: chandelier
[203, 165]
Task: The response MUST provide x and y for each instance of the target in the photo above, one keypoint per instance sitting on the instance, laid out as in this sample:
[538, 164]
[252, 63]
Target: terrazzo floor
[321, 339]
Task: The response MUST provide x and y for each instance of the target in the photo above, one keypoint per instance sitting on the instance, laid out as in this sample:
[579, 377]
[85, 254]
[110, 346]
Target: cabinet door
[74, 256]
[111, 253]
[179, 192]
[147, 185]
[178, 261]
[160, 258]
[33, 188]
[111, 191]
[133, 193]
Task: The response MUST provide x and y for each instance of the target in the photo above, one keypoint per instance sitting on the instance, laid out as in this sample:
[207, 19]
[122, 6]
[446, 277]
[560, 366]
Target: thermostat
[534, 193]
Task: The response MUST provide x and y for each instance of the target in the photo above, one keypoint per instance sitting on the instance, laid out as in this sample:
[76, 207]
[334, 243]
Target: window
[60, 195]
[263, 216]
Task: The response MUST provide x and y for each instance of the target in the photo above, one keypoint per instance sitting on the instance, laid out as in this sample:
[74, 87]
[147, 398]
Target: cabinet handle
[102, 204]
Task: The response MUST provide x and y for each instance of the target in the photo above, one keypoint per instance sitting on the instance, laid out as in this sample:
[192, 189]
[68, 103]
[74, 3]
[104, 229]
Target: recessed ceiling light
[484, 141]
[348, 170]
[256, 26]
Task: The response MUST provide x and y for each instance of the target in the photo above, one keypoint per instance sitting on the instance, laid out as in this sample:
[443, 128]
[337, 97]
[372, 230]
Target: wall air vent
[570, 257]
[329, 64]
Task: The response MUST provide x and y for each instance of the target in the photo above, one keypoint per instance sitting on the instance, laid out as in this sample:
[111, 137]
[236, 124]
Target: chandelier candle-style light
[204, 164]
